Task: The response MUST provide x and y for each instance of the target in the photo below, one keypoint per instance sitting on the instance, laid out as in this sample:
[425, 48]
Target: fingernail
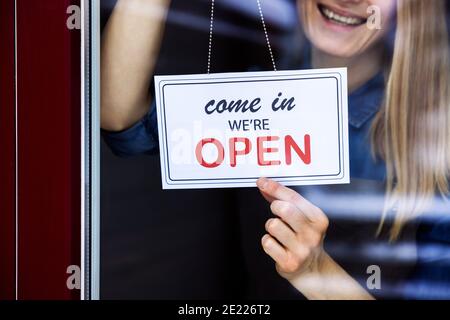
[262, 183]
[265, 240]
[268, 223]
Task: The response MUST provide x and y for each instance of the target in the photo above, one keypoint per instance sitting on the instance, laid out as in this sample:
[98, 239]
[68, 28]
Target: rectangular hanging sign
[227, 130]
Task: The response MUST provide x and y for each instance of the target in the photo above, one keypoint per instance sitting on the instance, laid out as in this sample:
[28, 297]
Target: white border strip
[90, 135]
[95, 150]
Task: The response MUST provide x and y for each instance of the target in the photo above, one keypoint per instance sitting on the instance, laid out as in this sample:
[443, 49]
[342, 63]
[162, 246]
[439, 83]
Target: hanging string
[211, 27]
[266, 34]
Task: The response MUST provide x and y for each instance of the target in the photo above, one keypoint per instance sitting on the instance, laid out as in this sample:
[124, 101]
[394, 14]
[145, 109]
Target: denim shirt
[416, 266]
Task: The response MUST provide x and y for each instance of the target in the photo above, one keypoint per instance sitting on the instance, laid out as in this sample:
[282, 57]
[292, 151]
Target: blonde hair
[411, 132]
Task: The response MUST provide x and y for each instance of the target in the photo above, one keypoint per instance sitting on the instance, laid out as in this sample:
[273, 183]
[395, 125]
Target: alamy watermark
[73, 281]
[73, 21]
[374, 20]
[374, 280]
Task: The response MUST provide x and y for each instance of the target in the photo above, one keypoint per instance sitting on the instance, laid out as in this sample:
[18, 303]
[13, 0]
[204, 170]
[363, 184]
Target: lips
[340, 18]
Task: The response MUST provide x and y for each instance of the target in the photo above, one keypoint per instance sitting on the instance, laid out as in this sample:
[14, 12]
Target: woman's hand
[295, 242]
[295, 236]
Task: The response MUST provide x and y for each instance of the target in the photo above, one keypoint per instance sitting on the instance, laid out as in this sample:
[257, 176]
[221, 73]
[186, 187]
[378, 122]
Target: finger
[268, 198]
[273, 249]
[260, 183]
[274, 190]
[289, 213]
[281, 232]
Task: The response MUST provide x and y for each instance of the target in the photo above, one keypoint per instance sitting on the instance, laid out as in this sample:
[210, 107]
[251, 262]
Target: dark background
[186, 244]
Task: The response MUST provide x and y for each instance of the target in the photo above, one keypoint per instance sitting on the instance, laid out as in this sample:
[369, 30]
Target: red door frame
[8, 154]
[48, 126]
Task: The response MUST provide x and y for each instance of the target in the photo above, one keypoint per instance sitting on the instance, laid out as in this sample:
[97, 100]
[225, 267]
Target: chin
[339, 50]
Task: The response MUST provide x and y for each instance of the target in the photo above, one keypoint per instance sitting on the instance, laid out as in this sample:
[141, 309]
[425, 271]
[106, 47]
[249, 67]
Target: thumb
[260, 183]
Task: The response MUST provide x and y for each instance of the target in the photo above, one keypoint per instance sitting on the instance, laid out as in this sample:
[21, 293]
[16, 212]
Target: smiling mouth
[335, 17]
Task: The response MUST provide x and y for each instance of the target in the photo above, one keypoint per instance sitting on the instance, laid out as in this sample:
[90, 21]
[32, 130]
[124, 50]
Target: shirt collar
[364, 102]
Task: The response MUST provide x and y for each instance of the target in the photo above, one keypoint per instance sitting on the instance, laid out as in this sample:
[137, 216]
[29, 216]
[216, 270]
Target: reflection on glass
[385, 235]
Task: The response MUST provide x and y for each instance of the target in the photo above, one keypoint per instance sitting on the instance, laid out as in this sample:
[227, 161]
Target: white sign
[227, 130]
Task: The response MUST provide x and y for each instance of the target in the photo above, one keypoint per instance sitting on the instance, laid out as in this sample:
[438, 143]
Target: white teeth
[336, 17]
